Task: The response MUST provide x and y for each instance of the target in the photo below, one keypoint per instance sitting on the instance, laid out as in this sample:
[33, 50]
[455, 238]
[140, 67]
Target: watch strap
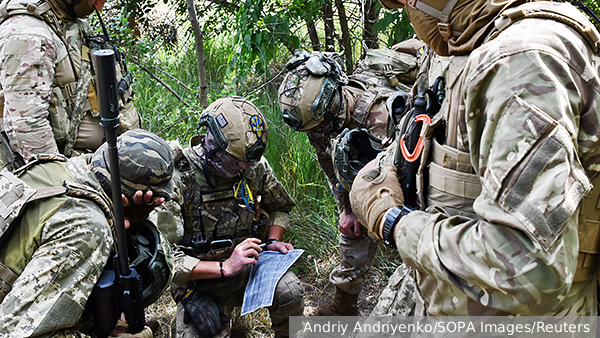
[391, 219]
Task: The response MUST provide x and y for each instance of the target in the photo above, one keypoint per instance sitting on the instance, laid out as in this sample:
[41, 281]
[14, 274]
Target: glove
[122, 328]
[366, 198]
[205, 311]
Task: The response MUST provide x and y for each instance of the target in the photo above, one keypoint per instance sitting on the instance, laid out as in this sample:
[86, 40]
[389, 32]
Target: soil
[317, 290]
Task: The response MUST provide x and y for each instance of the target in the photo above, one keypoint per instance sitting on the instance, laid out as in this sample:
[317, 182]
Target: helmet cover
[237, 126]
[308, 88]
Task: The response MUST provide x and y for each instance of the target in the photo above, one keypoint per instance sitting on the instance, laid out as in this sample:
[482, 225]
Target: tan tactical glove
[122, 328]
[374, 192]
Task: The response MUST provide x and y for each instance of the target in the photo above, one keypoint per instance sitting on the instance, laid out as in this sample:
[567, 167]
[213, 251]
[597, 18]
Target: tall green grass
[314, 219]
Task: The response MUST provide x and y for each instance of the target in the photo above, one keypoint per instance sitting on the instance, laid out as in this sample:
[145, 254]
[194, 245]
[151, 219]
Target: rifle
[128, 296]
[17, 160]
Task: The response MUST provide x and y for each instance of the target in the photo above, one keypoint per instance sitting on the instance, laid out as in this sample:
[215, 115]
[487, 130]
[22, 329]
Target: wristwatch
[391, 219]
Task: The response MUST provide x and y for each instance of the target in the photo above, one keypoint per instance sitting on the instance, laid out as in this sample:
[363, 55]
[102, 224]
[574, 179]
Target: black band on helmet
[254, 153]
[291, 120]
[209, 120]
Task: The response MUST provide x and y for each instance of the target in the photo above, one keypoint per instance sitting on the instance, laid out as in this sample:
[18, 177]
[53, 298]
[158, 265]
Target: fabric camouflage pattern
[145, 163]
[528, 115]
[354, 263]
[226, 215]
[59, 252]
[49, 101]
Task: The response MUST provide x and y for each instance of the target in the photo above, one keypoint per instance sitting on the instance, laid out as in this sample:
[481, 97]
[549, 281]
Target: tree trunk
[348, 52]
[329, 27]
[201, 59]
[314, 36]
[371, 14]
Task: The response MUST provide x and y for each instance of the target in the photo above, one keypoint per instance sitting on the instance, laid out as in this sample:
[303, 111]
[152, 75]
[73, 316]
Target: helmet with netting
[237, 126]
[309, 87]
[352, 150]
[145, 163]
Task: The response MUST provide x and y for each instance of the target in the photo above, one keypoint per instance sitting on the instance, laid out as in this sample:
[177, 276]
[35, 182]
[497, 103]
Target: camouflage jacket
[320, 138]
[47, 82]
[59, 250]
[527, 110]
[218, 209]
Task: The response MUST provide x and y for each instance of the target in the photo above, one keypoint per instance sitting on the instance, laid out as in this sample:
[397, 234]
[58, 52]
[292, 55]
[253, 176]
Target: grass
[313, 220]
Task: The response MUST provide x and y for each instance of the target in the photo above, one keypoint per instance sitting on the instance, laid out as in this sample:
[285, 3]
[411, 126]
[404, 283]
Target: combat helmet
[352, 150]
[150, 255]
[309, 87]
[237, 126]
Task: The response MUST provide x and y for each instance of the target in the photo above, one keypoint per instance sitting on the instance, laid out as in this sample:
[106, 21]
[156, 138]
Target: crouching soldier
[52, 255]
[231, 202]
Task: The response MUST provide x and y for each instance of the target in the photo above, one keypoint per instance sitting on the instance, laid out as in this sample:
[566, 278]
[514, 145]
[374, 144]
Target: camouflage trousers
[356, 258]
[396, 300]
[288, 301]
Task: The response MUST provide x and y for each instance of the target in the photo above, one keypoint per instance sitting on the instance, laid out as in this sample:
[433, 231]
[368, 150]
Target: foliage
[395, 25]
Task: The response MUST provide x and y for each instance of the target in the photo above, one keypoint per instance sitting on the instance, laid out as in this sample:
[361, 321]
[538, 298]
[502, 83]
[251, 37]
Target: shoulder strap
[367, 99]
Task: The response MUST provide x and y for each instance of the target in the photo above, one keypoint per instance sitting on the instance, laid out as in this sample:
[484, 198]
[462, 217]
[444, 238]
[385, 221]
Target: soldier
[48, 93]
[506, 221]
[230, 202]
[323, 104]
[51, 260]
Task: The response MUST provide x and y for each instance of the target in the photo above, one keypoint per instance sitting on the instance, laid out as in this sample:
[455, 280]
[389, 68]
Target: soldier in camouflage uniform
[48, 95]
[61, 244]
[508, 220]
[230, 202]
[323, 107]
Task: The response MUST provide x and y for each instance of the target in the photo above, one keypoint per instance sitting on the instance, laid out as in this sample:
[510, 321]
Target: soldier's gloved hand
[374, 191]
[122, 330]
[205, 311]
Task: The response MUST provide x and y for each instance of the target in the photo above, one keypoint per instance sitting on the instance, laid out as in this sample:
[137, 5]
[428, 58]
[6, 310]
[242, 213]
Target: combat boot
[342, 304]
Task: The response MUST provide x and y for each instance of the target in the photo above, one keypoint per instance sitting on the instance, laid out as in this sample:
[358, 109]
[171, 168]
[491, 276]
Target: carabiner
[419, 147]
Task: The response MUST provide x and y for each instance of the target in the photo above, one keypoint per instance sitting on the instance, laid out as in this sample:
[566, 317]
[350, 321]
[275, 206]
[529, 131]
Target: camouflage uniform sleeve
[169, 220]
[52, 291]
[522, 101]
[26, 76]
[275, 200]
[322, 147]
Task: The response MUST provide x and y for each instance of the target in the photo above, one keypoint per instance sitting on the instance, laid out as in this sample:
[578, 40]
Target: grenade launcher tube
[129, 281]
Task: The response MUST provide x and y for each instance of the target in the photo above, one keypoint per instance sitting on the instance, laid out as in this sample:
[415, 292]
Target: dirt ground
[318, 290]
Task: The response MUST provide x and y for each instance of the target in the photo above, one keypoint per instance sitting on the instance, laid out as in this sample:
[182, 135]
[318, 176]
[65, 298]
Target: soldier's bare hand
[349, 225]
[244, 253]
[139, 206]
[281, 247]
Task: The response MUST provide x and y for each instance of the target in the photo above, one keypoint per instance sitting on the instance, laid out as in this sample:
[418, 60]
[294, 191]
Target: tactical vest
[15, 194]
[72, 100]
[215, 213]
[448, 177]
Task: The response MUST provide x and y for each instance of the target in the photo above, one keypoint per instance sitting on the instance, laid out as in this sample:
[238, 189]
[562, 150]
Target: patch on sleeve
[540, 176]
[15, 47]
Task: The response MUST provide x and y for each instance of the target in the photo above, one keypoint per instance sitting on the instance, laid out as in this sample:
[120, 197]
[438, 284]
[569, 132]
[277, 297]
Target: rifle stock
[129, 298]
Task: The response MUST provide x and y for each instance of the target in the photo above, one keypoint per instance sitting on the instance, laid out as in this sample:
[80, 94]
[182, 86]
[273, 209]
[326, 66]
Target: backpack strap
[367, 99]
[7, 279]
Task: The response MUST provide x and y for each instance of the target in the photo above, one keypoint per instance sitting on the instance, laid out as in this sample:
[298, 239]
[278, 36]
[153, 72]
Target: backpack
[387, 68]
